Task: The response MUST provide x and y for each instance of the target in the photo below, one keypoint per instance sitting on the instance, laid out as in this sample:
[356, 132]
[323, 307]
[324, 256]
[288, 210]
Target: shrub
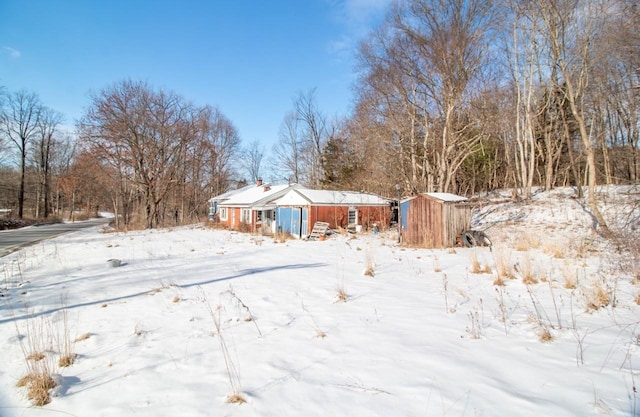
[342, 295]
[597, 296]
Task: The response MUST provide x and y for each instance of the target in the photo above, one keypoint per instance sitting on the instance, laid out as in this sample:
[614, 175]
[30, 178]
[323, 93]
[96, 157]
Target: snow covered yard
[544, 323]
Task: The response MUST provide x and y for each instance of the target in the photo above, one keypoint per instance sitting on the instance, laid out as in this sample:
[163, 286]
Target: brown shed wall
[338, 216]
[433, 223]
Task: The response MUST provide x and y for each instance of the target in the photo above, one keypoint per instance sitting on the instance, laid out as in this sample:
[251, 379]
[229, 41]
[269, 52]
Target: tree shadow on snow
[240, 274]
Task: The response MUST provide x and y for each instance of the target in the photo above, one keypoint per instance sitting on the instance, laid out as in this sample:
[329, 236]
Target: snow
[447, 197]
[425, 336]
[257, 194]
[305, 196]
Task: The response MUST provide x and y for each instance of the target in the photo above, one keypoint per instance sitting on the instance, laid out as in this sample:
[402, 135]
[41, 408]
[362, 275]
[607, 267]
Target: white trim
[245, 216]
[355, 211]
[223, 213]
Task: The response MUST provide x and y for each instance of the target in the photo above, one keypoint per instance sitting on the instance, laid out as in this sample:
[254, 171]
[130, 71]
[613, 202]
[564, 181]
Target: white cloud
[362, 12]
[358, 17]
[12, 52]
[345, 43]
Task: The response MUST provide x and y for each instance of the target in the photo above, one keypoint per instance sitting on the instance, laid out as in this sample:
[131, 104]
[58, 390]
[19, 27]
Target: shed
[434, 220]
[299, 209]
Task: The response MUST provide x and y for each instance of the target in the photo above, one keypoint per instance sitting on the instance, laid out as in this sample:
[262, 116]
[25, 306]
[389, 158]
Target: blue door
[283, 219]
[404, 211]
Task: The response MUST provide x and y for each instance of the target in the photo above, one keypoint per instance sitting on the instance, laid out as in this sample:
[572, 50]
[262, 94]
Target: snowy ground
[425, 336]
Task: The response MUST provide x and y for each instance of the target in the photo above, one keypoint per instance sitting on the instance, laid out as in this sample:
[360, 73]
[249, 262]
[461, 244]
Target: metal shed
[434, 220]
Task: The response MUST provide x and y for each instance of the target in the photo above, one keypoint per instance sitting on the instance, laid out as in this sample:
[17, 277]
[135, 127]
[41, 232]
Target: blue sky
[249, 58]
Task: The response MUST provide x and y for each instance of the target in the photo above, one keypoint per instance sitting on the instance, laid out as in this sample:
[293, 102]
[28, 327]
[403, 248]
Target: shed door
[404, 211]
[295, 221]
[305, 221]
[283, 219]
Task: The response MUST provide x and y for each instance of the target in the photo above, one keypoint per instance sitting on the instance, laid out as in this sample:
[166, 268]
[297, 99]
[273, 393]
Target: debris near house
[473, 238]
[319, 230]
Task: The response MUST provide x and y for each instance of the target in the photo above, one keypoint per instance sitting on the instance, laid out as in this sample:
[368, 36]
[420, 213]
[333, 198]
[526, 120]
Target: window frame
[353, 210]
[245, 216]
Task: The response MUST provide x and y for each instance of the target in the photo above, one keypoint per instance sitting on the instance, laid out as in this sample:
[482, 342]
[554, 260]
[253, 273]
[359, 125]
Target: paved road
[12, 240]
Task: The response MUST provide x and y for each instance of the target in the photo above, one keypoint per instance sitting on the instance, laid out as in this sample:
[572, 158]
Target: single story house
[300, 208]
[214, 202]
[434, 220]
[253, 208]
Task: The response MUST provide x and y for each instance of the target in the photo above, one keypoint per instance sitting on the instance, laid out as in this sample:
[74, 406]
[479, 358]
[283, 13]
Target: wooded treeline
[460, 96]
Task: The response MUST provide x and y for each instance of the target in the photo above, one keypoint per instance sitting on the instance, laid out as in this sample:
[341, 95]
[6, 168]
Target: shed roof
[447, 197]
[305, 196]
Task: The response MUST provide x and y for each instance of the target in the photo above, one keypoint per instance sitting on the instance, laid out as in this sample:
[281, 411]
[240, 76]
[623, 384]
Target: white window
[223, 213]
[353, 216]
[246, 216]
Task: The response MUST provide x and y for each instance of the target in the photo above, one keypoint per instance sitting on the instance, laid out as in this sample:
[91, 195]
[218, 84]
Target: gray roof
[305, 196]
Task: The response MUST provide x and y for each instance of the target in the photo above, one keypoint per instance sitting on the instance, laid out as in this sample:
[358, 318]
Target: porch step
[319, 229]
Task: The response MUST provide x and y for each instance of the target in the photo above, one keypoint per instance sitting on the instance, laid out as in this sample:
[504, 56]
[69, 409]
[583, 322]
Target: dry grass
[545, 335]
[475, 263]
[66, 360]
[176, 299]
[499, 281]
[554, 249]
[342, 295]
[281, 237]
[527, 242]
[436, 265]
[320, 334]
[503, 264]
[82, 337]
[477, 267]
[35, 356]
[583, 248]
[570, 278]
[35, 343]
[232, 368]
[65, 344]
[597, 296]
[236, 399]
[527, 271]
[38, 386]
[369, 263]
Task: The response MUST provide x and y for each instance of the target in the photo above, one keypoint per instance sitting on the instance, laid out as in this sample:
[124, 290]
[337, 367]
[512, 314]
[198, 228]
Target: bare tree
[569, 30]
[252, 160]
[525, 58]
[43, 150]
[421, 75]
[314, 133]
[143, 133]
[219, 146]
[20, 123]
[3, 98]
[286, 152]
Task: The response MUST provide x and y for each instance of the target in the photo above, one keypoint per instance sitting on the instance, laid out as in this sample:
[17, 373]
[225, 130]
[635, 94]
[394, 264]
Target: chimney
[259, 182]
